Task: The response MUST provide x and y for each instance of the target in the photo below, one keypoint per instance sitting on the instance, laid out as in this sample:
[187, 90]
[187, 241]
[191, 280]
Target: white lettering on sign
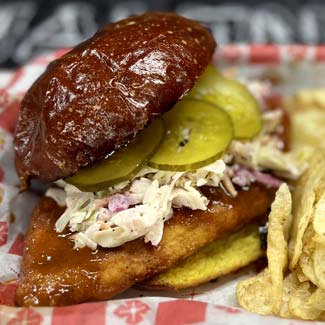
[70, 24]
[308, 26]
[226, 22]
[272, 23]
[14, 18]
[125, 9]
[264, 23]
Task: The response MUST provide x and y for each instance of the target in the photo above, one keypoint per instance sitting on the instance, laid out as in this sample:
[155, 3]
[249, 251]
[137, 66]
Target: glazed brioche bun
[98, 96]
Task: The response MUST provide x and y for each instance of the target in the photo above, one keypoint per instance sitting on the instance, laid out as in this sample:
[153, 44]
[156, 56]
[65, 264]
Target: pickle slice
[233, 97]
[197, 134]
[123, 164]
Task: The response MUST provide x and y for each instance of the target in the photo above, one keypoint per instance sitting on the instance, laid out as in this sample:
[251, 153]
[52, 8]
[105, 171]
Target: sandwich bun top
[99, 95]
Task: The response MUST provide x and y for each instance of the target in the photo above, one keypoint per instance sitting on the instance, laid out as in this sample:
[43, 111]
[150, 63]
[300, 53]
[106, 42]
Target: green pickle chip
[197, 134]
[233, 97]
[199, 129]
[123, 164]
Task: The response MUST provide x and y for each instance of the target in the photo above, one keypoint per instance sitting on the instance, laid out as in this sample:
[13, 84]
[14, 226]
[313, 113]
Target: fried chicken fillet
[54, 274]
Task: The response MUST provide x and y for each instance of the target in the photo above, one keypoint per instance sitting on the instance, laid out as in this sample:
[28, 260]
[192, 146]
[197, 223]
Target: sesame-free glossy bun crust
[98, 96]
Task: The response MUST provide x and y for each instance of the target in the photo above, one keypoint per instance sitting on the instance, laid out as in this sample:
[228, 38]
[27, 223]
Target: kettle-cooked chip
[263, 293]
[255, 294]
[312, 259]
[305, 302]
[307, 115]
[298, 299]
[308, 128]
[301, 294]
[303, 204]
[305, 259]
[292, 284]
[300, 275]
[319, 217]
[277, 252]
[318, 259]
[309, 98]
[303, 288]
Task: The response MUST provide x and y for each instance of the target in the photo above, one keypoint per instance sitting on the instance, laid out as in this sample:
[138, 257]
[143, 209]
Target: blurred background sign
[30, 27]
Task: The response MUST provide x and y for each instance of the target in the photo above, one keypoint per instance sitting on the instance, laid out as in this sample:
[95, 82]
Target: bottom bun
[55, 274]
[216, 259]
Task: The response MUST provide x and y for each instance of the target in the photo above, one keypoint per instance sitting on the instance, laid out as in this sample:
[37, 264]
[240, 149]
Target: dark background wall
[30, 27]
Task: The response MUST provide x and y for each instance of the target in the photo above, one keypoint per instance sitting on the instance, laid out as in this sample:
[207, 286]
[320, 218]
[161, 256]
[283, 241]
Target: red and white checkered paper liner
[15, 209]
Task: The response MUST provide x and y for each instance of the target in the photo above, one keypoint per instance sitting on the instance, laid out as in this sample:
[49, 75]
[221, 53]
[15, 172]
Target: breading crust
[55, 274]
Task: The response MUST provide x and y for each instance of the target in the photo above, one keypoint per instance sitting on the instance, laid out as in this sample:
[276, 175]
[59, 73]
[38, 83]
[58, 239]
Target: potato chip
[291, 284]
[306, 99]
[301, 299]
[306, 302]
[300, 275]
[305, 260]
[307, 267]
[277, 253]
[319, 216]
[303, 204]
[318, 259]
[255, 294]
[317, 239]
[317, 299]
[304, 287]
[307, 116]
[301, 294]
[307, 129]
[263, 293]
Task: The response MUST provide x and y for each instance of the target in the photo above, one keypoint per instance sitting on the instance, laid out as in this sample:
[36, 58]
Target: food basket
[297, 66]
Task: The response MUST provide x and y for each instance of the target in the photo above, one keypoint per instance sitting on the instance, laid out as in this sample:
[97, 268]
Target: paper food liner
[299, 67]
